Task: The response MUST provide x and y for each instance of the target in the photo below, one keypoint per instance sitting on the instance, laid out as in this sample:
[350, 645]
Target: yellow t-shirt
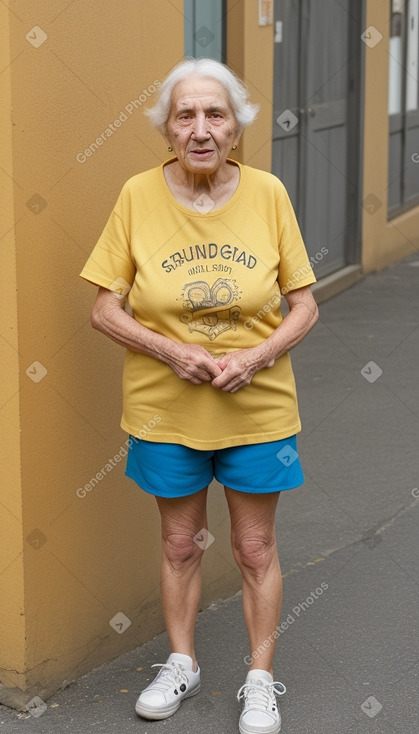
[211, 278]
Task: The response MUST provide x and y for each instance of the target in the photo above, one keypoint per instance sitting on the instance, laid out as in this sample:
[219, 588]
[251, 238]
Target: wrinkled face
[201, 127]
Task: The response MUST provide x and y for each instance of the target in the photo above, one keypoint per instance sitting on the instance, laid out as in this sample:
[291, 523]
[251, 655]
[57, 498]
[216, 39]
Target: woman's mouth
[202, 153]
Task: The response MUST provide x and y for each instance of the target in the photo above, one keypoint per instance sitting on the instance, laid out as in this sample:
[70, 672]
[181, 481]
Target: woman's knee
[181, 549]
[255, 553]
[181, 521]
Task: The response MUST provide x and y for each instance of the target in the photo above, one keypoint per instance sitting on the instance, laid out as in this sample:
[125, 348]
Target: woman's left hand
[239, 367]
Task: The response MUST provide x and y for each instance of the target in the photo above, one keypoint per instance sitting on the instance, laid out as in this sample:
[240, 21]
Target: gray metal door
[313, 82]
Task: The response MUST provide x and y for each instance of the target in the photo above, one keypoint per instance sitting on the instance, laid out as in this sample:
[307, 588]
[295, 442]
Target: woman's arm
[189, 361]
[297, 323]
[239, 367]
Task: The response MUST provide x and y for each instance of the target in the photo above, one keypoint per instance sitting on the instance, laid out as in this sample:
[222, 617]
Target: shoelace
[172, 674]
[258, 696]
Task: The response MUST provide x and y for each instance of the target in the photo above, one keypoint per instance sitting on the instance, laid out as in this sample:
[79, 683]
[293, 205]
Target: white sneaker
[260, 713]
[174, 682]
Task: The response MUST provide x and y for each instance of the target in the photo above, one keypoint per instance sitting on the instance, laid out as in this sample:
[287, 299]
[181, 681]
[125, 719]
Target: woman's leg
[254, 548]
[181, 519]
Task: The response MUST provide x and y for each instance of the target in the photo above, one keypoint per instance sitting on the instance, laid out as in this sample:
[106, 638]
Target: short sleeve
[295, 269]
[110, 264]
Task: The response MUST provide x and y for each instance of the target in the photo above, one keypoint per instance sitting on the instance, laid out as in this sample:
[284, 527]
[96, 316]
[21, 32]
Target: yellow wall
[69, 563]
[383, 241]
[12, 620]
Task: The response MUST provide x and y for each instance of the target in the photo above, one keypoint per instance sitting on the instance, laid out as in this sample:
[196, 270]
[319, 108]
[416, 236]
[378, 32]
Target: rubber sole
[147, 712]
[253, 730]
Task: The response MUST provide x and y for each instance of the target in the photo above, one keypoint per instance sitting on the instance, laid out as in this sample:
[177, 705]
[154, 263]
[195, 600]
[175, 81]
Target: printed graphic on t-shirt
[206, 252]
[211, 310]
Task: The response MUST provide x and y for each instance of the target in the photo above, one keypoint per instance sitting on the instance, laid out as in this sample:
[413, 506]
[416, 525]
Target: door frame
[356, 109]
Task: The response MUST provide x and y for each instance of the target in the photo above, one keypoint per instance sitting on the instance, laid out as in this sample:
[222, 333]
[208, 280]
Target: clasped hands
[230, 373]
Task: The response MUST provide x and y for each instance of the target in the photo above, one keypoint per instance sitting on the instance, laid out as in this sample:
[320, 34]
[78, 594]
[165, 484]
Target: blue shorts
[174, 470]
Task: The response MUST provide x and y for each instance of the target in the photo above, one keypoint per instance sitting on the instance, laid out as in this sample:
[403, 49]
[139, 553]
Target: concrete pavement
[348, 539]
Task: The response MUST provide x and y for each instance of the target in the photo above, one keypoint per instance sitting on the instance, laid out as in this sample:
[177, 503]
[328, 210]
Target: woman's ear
[237, 139]
[169, 146]
[163, 131]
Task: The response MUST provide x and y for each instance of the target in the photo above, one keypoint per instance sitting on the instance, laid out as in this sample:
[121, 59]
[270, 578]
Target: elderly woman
[202, 247]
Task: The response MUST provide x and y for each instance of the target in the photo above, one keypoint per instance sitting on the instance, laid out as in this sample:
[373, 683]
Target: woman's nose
[200, 128]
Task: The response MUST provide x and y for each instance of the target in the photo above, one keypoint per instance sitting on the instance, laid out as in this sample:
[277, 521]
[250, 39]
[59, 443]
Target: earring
[234, 147]
[169, 147]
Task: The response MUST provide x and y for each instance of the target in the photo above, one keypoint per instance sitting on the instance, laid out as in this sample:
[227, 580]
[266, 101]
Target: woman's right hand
[189, 361]
[192, 362]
